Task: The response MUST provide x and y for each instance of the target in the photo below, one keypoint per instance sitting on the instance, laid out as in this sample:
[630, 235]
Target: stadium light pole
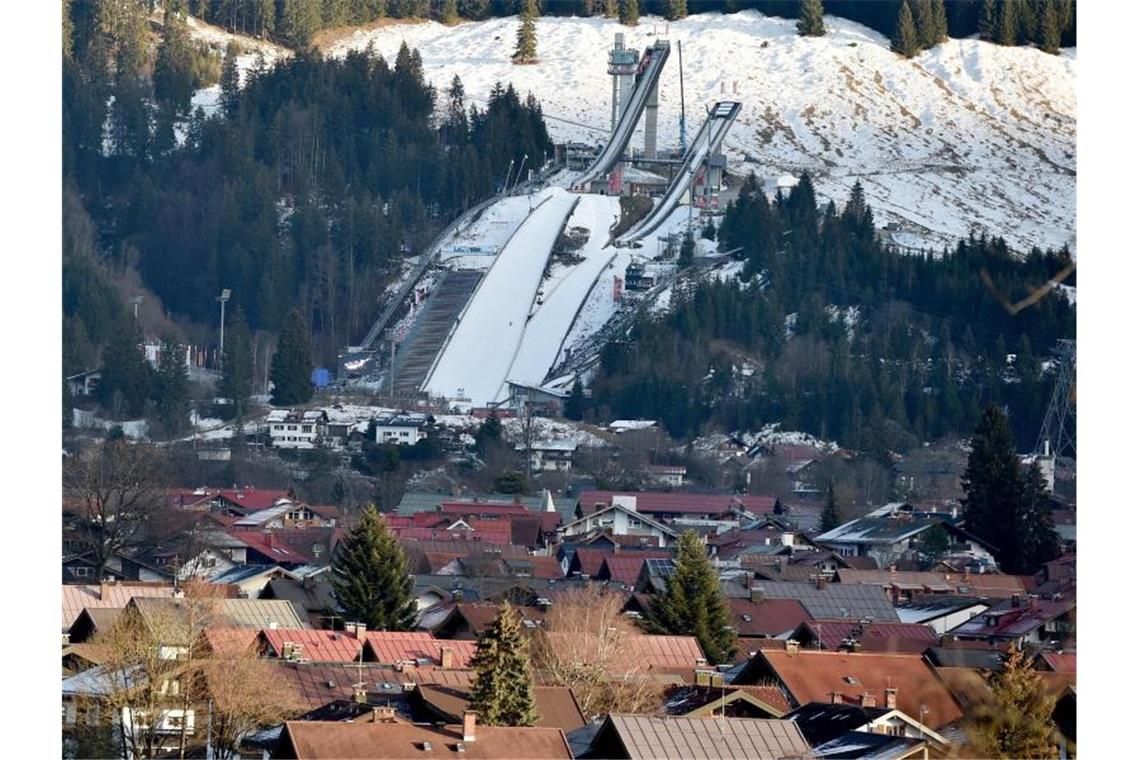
[135, 301]
[225, 296]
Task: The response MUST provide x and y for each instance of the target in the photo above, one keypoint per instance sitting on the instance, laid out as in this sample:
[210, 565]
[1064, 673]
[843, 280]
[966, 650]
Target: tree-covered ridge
[295, 22]
[317, 176]
[848, 339]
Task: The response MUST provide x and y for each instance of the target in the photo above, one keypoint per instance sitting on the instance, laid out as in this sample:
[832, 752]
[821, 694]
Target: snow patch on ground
[966, 135]
[546, 429]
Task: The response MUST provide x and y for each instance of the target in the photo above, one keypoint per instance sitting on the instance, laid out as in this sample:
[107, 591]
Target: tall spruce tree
[576, 403]
[526, 49]
[503, 692]
[371, 580]
[941, 26]
[924, 22]
[829, 519]
[1016, 717]
[173, 65]
[988, 20]
[173, 397]
[811, 18]
[905, 41]
[676, 9]
[449, 12]
[237, 364]
[993, 487]
[610, 8]
[1007, 24]
[126, 381]
[630, 12]
[292, 368]
[1040, 543]
[693, 604]
[1049, 36]
[230, 84]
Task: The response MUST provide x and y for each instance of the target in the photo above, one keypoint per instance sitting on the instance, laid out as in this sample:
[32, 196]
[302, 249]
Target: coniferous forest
[846, 339]
[303, 191]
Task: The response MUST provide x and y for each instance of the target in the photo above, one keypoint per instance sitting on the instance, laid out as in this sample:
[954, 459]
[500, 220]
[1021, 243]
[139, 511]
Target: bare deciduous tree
[114, 489]
[584, 645]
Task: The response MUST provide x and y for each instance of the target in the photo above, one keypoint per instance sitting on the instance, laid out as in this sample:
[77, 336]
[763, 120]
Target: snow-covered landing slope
[967, 135]
[564, 294]
[479, 354]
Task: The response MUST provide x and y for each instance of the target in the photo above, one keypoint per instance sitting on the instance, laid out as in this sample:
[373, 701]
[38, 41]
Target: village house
[403, 429]
[887, 534]
[551, 456]
[1023, 620]
[301, 429]
[621, 517]
[866, 731]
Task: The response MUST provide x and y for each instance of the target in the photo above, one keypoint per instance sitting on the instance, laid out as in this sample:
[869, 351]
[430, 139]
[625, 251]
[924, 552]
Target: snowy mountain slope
[967, 135]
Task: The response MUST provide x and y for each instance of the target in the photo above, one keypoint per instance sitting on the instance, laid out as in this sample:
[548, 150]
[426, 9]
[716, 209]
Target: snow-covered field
[479, 354]
[966, 136]
[209, 98]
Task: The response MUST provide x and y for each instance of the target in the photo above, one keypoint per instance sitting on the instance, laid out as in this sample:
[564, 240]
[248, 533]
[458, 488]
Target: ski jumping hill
[966, 136]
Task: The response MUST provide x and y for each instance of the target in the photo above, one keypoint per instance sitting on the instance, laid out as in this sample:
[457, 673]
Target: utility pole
[225, 296]
[135, 301]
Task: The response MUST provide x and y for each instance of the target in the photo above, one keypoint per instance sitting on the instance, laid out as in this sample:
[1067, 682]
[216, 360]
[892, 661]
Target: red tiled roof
[1060, 662]
[269, 545]
[230, 642]
[590, 560]
[663, 502]
[913, 638]
[307, 740]
[307, 684]
[317, 646]
[770, 617]
[253, 499]
[665, 652]
[814, 676]
[393, 647]
[622, 568]
[491, 508]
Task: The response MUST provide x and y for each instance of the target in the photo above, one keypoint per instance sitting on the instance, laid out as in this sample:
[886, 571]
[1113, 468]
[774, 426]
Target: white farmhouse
[621, 518]
[289, 429]
[402, 429]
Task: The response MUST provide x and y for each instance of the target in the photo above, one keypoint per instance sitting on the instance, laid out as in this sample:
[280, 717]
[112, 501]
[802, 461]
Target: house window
[306, 428]
[897, 730]
[81, 572]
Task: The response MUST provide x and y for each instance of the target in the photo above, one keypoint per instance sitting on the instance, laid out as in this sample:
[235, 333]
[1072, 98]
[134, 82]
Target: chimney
[356, 630]
[104, 590]
[893, 569]
[791, 646]
[819, 582]
[446, 658]
[866, 700]
[361, 697]
[836, 698]
[756, 593]
[468, 725]
[891, 699]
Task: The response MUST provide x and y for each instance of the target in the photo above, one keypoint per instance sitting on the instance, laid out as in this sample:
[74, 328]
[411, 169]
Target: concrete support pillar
[651, 124]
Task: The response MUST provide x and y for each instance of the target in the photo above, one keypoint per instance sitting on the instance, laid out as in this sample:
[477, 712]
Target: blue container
[321, 377]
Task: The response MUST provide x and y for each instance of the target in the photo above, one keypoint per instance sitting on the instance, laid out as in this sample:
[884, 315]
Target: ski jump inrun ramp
[652, 64]
[706, 143]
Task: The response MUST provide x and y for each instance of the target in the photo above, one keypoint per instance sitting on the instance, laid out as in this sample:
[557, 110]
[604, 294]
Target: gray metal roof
[876, 530]
[424, 501]
[645, 736]
[834, 600]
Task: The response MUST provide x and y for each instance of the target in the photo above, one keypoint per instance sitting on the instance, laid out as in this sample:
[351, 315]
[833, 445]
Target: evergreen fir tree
[449, 12]
[688, 249]
[1016, 718]
[630, 12]
[173, 388]
[941, 27]
[371, 580]
[576, 403]
[811, 18]
[1049, 37]
[676, 9]
[693, 604]
[125, 370]
[503, 691]
[829, 519]
[924, 22]
[993, 488]
[1040, 543]
[1007, 25]
[988, 20]
[237, 364]
[173, 66]
[526, 50]
[905, 41]
[230, 80]
[610, 8]
[292, 368]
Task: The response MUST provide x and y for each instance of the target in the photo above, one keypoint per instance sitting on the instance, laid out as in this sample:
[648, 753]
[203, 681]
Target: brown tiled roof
[913, 638]
[230, 641]
[556, 705]
[393, 647]
[1060, 662]
[665, 652]
[349, 741]
[645, 736]
[689, 699]
[814, 676]
[480, 615]
[309, 683]
[769, 617]
[316, 646]
[76, 597]
[984, 584]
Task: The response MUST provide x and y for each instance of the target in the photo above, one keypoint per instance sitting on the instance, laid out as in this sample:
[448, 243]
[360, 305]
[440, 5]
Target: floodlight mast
[225, 296]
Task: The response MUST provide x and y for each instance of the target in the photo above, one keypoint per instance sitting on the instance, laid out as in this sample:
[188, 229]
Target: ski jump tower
[623, 68]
